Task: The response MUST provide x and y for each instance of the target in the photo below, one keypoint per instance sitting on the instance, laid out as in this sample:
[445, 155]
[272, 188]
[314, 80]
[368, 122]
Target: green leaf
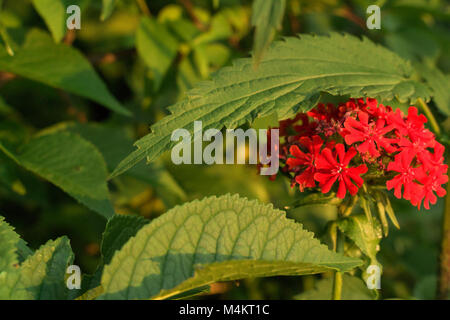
[365, 234]
[114, 144]
[211, 240]
[353, 288]
[267, 16]
[23, 251]
[54, 14]
[8, 243]
[59, 66]
[69, 162]
[107, 9]
[41, 276]
[118, 231]
[289, 79]
[440, 85]
[156, 46]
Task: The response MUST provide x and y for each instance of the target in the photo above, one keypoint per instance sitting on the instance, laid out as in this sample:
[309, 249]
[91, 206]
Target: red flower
[371, 134]
[334, 167]
[432, 183]
[412, 126]
[306, 178]
[406, 179]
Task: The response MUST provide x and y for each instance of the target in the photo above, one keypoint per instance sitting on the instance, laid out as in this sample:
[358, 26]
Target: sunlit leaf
[211, 240]
[289, 79]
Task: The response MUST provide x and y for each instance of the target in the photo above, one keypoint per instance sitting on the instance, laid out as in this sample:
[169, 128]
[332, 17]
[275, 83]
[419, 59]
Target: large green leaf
[267, 16]
[156, 46]
[288, 79]
[211, 240]
[59, 66]
[69, 162]
[54, 14]
[8, 242]
[42, 275]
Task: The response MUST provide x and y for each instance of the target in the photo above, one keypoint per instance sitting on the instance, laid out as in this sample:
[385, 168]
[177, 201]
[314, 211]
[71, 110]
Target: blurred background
[199, 37]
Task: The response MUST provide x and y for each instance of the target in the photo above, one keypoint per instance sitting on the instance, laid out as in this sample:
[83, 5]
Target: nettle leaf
[215, 239]
[267, 16]
[365, 234]
[59, 66]
[107, 9]
[353, 288]
[42, 275]
[8, 242]
[54, 14]
[156, 46]
[289, 79]
[69, 162]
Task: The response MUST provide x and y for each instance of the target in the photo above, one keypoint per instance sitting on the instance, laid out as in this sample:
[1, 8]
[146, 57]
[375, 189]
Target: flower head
[305, 160]
[333, 167]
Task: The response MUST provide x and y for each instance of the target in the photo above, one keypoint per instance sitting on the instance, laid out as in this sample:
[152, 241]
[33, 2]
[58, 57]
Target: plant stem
[337, 283]
[430, 116]
[444, 276]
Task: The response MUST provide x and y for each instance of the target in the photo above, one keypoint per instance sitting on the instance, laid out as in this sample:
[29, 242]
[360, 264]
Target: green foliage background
[73, 103]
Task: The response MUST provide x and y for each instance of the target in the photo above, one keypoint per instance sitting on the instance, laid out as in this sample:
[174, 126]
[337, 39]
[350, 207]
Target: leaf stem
[430, 116]
[337, 282]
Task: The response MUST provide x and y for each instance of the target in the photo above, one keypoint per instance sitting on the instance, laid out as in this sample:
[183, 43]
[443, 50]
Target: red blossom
[371, 134]
[406, 178]
[302, 159]
[412, 126]
[334, 167]
[385, 141]
[432, 182]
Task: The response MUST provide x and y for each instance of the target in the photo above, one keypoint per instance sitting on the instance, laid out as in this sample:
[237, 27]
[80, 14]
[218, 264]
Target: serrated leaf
[211, 240]
[69, 162]
[353, 288]
[107, 9]
[8, 246]
[54, 14]
[267, 16]
[365, 234]
[289, 79]
[59, 66]
[157, 47]
[42, 275]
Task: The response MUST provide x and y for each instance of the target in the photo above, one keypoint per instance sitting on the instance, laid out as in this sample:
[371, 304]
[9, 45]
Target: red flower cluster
[363, 139]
